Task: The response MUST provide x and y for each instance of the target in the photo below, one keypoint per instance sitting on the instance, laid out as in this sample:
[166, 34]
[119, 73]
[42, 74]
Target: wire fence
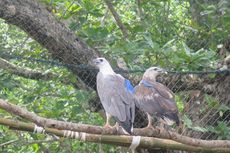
[204, 112]
[203, 100]
[91, 68]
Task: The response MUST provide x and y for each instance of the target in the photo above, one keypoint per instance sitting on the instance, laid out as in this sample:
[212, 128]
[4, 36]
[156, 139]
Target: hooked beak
[95, 61]
[164, 71]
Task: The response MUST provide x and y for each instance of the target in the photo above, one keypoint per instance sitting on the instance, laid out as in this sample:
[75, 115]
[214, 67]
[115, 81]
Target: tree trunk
[41, 25]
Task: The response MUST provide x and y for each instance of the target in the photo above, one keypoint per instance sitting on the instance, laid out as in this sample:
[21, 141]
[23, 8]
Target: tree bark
[50, 123]
[145, 142]
[40, 24]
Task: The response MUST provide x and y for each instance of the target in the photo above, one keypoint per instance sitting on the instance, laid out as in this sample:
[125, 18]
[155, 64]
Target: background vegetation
[174, 34]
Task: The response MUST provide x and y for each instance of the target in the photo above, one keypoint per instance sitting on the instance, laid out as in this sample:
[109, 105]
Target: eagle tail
[126, 127]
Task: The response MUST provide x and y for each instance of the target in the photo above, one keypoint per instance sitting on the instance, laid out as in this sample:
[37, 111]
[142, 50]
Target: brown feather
[157, 99]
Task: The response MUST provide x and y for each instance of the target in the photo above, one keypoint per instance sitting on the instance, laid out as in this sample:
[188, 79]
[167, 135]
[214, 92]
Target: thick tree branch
[40, 24]
[117, 18]
[146, 142]
[41, 121]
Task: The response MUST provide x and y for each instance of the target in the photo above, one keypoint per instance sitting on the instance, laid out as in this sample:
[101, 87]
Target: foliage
[167, 19]
[46, 98]
[161, 32]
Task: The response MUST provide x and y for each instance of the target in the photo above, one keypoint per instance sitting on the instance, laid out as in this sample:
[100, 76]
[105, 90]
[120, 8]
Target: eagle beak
[95, 61]
[164, 71]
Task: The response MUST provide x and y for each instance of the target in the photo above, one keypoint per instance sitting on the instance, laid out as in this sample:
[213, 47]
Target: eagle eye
[101, 60]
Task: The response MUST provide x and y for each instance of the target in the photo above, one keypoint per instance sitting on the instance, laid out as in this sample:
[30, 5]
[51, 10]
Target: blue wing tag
[129, 86]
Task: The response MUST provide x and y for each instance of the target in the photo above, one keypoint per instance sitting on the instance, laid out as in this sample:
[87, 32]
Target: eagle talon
[116, 126]
[107, 126]
[149, 127]
[107, 129]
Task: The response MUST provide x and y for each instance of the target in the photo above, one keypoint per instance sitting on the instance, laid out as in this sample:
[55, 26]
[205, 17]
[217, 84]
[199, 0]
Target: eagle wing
[116, 97]
[156, 99]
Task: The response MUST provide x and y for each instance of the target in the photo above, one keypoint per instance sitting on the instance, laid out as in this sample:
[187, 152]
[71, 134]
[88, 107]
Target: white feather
[105, 68]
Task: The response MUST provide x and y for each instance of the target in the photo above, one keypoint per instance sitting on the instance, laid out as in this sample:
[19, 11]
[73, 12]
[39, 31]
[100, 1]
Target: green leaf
[199, 129]
[36, 147]
[187, 121]
[179, 102]
[149, 40]
[212, 102]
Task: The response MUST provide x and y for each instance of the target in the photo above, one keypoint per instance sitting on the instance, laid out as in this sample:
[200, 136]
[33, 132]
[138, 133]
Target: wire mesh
[203, 100]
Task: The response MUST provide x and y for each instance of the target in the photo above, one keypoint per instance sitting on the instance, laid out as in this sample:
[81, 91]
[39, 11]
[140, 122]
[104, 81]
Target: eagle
[156, 99]
[116, 95]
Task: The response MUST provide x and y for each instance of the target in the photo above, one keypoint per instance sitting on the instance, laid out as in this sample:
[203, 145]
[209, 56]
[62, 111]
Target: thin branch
[65, 11]
[44, 122]
[103, 19]
[145, 142]
[139, 9]
[39, 141]
[8, 142]
[25, 72]
[117, 18]
[23, 142]
[33, 74]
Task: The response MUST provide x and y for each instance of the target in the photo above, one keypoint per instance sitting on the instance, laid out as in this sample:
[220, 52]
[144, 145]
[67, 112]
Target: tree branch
[41, 25]
[8, 142]
[146, 142]
[41, 121]
[117, 18]
[139, 9]
[39, 141]
[26, 72]
[36, 74]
